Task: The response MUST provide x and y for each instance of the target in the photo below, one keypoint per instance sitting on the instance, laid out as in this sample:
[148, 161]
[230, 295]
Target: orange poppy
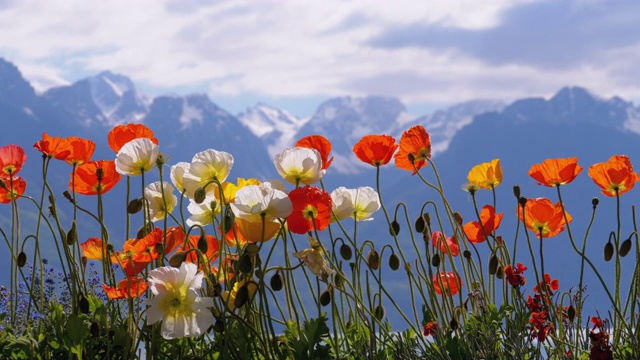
[13, 188]
[514, 275]
[415, 141]
[254, 231]
[234, 237]
[555, 172]
[311, 209]
[175, 238]
[319, 143]
[128, 288]
[550, 284]
[12, 157]
[445, 244]
[542, 217]
[122, 134]
[138, 253]
[212, 248]
[54, 147]
[375, 149]
[489, 222]
[81, 150]
[447, 283]
[486, 175]
[615, 176]
[92, 249]
[85, 178]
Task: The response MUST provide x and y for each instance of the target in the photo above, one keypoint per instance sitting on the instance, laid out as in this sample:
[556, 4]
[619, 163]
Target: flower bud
[522, 201]
[379, 312]
[435, 260]
[466, 254]
[516, 191]
[203, 244]
[411, 157]
[500, 272]
[83, 304]
[571, 313]
[608, 251]
[218, 326]
[453, 324]
[228, 222]
[72, 235]
[245, 265]
[394, 262]
[67, 195]
[625, 247]
[338, 279]
[199, 195]
[493, 264]
[419, 224]
[595, 202]
[134, 206]
[22, 259]
[373, 259]
[144, 231]
[160, 160]
[94, 329]
[177, 259]
[251, 249]
[457, 217]
[276, 282]
[346, 252]
[325, 298]
[241, 297]
[394, 229]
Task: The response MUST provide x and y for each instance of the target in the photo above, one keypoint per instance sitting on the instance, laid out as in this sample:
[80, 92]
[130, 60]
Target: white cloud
[283, 48]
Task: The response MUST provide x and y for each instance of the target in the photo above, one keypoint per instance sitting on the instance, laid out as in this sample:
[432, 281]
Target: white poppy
[253, 201]
[300, 165]
[159, 207]
[177, 175]
[137, 156]
[358, 203]
[203, 213]
[207, 166]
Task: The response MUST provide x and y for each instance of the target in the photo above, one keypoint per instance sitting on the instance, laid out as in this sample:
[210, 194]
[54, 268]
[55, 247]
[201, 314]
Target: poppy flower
[212, 248]
[229, 189]
[489, 222]
[311, 209]
[138, 253]
[314, 259]
[514, 275]
[128, 288]
[486, 175]
[415, 142]
[177, 175]
[12, 189]
[447, 283]
[207, 167]
[122, 134]
[257, 231]
[137, 156]
[445, 244]
[54, 147]
[161, 199]
[177, 303]
[234, 236]
[92, 249]
[542, 217]
[555, 172]
[175, 237]
[203, 213]
[299, 165]
[81, 150]
[615, 176]
[358, 203]
[551, 285]
[253, 202]
[375, 150]
[86, 177]
[229, 297]
[319, 143]
[12, 157]
[430, 329]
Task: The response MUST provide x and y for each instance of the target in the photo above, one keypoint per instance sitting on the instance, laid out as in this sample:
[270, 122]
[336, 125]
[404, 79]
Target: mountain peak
[14, 89]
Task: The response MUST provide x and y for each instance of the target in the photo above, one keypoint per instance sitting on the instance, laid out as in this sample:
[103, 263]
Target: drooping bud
[144, 231]
[203, 244]
[435, 260]
[134, 206]
[228, 221]
[516, 191]
[453, 324]
[276, 282]
[177, 259]
[67, 195]
[394, 262]
[94, 329]
[199, 195]
[522, 201]
[419, 224]
[608, 251]
[394, 229]
[466, 254]
[325, 298]
[571, 313]
[500, 272]
[493, 264]
[373, 259]
[457, 217]
[595, 202]
[251, 249]
[379, 312]
[72, 235]
[22, 259]
[245, 265]
[625, 247]
[83, 304]
[346, 252]
[241, 296]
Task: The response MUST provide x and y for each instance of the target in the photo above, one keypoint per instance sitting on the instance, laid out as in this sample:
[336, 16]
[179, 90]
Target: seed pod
[435, 260]
[625, 247]
[608, 251]
[94, 329]
[241, 296]
[394, 229]
[379, 312]
[516, 191]
[373, 259]
[325, 298]
[22, 259]
[466, 254]
[419, 224]
[346, 252]
[394, 262]
[276, 282]
[199, 195]
[83, 304]
[245, 265]
[134, 206]
[72, 235]
[177, 259]
[571, 313]
[203, 244]
[493, 264]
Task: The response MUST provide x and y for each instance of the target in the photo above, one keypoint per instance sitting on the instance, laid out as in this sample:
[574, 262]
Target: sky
[297, 54]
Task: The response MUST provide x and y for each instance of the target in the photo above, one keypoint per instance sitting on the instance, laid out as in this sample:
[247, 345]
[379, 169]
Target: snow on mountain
[276, 127]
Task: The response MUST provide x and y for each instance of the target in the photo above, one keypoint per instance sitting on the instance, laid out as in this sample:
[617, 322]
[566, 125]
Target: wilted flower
[176, 301]
[160, 207]
[375, 150]
[137, 156]
[486, 175]
[299, 165]
[358, 203]
[615, 176]
[313, 258]
[417, 143]
[554, 172]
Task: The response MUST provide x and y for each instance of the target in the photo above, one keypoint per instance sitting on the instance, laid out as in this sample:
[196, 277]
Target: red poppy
[615, 176]
[514, 275]
[551, 285]
[12, 189]
[430, 329]
[85, 178]
[478, 231]
[122, 134]
[448, 283]
[81, 150]
[554, 172]
[311, 205]
[543, 218]
[212, 248]
[375, 149]
[415, 141]
[128, 288]
[54, 147]
[319, 143]
[445, 244]
[12, 157]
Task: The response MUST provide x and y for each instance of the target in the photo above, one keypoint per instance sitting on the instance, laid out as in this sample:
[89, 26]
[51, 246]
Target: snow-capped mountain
[107, 99]
[277, 128]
